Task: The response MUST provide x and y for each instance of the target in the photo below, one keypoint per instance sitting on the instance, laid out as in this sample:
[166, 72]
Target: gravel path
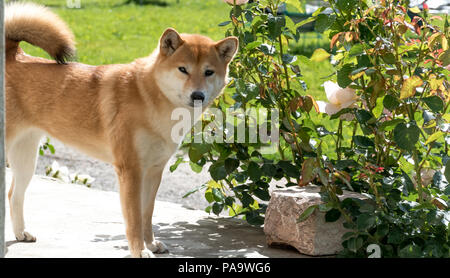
[173, 186]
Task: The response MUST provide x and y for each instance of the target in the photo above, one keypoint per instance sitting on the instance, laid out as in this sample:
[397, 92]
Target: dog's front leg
[151, 182]
[130, 199]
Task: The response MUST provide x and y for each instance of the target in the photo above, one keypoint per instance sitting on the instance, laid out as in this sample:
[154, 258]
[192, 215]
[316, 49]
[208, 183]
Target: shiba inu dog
[118, 113]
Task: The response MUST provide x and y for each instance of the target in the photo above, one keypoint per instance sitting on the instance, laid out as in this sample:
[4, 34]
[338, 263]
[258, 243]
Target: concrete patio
[73, 221]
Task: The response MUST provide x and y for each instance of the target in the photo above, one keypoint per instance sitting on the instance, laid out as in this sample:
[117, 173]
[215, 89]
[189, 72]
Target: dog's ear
[169, 42]
[227, 48]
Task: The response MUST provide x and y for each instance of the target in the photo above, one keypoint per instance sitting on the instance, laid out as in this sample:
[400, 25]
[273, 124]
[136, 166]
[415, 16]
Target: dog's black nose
[197, 96]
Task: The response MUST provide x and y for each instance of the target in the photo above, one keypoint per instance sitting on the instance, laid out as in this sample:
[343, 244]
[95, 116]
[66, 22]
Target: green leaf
[355, 243]
[217, 194]
[290, 25]
[252, 45]
[319, 55]
[406, 135]
[389, 58]
[174, 166]
[391, 102]
[365, 221]
[348, 235]
[231, 164]
[262, 194]
[269, 170]
[323, 176]
[356, 50]
[195, 167]
[445, 57]
[246, 200]
[342, 164]
[306, 21]
[209, 196]
[323, 22]
[225, 23]
[408, 184]
[289, 169]
[197, 150]
[347, 5]
[364, 117]
[332, 215]
[378, 109]
[415, 10]
[288, 58]
[382, 231]
[267, 49]
[363, 142]
[217, 171]
[410, 251]
[253, 218]
[306, 213]
[435, 136]
[297, 4]
[275, 25]
[208, 209]
[229, 201]
[409, 86]
[52, 149]
[254, 171]
[343, 74]
[395, 237]
[237, 11]
[435, 103]
[389, 125]
[447, 171]
[325, 207]
[217, 208]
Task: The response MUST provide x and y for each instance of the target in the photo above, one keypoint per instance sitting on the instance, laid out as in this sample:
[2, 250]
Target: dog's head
[192, 69]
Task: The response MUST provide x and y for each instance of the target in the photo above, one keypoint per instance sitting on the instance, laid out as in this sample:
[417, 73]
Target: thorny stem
[338, 142]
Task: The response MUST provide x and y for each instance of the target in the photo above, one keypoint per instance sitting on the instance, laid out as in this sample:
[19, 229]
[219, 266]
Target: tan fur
[117, 113]
[39, 26]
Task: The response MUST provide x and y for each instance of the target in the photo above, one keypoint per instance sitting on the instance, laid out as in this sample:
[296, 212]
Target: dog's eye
[209, 72]
[183, 70]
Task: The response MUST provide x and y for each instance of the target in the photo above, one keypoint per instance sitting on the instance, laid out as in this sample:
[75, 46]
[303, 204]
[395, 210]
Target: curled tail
[38, 26]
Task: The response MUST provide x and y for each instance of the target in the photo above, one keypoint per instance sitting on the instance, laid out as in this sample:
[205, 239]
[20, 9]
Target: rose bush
[388, 136]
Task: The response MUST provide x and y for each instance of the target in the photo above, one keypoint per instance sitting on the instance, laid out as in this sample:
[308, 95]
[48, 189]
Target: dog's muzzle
[197, 98]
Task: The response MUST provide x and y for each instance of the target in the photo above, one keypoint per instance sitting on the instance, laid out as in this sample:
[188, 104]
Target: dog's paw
[25, 237]
[157, 247]
[147, 254]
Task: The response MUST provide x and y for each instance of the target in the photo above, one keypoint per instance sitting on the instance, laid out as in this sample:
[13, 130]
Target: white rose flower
[426, 174]
[338, 98]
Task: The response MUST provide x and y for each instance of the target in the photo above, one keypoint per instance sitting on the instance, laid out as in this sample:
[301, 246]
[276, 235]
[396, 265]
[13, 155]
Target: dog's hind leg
[22, 156]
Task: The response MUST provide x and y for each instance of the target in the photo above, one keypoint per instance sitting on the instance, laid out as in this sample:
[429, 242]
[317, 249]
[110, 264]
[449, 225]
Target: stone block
[314, 236]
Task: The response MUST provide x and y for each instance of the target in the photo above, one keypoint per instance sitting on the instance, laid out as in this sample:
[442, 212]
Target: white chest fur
[153, 150]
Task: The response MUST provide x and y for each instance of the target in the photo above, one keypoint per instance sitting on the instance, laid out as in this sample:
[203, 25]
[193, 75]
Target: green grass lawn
[109, 31]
